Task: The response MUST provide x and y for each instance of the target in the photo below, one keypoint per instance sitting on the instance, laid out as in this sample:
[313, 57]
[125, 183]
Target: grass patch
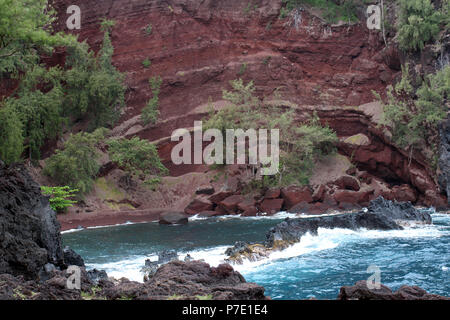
[146, 63]
[108, 190]
[205, 297]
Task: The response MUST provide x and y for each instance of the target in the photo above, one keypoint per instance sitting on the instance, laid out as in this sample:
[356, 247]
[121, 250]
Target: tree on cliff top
[26, 31]
[88, 87]
[418, 23]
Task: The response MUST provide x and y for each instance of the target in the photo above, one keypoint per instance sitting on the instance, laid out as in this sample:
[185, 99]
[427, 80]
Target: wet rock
[96, 276]
[207, 214]
[188, 280]
[381, 214]
[302, 207]
[361, 291]
[173, 218]
[353, 197]
[293, 195]
[247, 207]
[271, 206]
[166, 256]
[71, 258]
[197, 205]
[30, 234]
[230, 204]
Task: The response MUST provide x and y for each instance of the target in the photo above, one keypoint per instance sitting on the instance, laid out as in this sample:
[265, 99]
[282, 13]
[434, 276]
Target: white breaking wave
[326, 239]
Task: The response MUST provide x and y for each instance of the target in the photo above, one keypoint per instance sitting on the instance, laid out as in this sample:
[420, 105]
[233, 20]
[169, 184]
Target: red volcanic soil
[106, 218]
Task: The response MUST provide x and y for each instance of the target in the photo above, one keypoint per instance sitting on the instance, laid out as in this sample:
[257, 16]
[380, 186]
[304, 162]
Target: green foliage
[106, 25]
[418, 23]
[301, 143]
[242, 69]
[93, 85]
[26, 31]
[60, 197]
[414, 122]
[11, 139]
[76, 165]
[40, 111]
[48, 97]
[146, 63]
[136, 156]
[148, 29]
[150, 112]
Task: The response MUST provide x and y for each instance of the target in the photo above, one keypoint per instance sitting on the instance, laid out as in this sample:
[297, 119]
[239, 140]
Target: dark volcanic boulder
[381, 215]
[29, 232]
[398, 210]
[360, 291]
[173, 218]
[71, 258]
[166, 256]
[189, 280]
[95, 275]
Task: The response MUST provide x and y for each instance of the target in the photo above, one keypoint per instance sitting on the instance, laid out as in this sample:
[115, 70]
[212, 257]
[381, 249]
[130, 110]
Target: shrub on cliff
[414, 115]
[26, 31]
[302, 143]
[60, 197]
[418, 23]
[76, 165]
[150, 113]
[136, 156]
[87, 87]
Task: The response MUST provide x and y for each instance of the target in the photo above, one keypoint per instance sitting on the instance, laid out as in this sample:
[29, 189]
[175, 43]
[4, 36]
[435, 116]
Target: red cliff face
[198, 46]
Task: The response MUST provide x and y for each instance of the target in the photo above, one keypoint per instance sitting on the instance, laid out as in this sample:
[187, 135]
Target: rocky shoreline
[381, 214]
[34, 266]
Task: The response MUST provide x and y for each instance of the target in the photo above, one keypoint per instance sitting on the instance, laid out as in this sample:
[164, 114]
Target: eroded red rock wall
[198, 46]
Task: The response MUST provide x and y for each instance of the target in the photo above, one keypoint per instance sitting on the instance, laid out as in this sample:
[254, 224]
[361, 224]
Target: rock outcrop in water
[381, 214]
[29, 232]
[174, 280]
[189, 280]
[360, 291]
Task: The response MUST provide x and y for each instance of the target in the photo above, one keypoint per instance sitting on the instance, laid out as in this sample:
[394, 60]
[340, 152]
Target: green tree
[11, 139]
[413, 115]
[150, 112]
[76, 165]
[60, 197]
[26, 31]
[136, 156]
[418, 23]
